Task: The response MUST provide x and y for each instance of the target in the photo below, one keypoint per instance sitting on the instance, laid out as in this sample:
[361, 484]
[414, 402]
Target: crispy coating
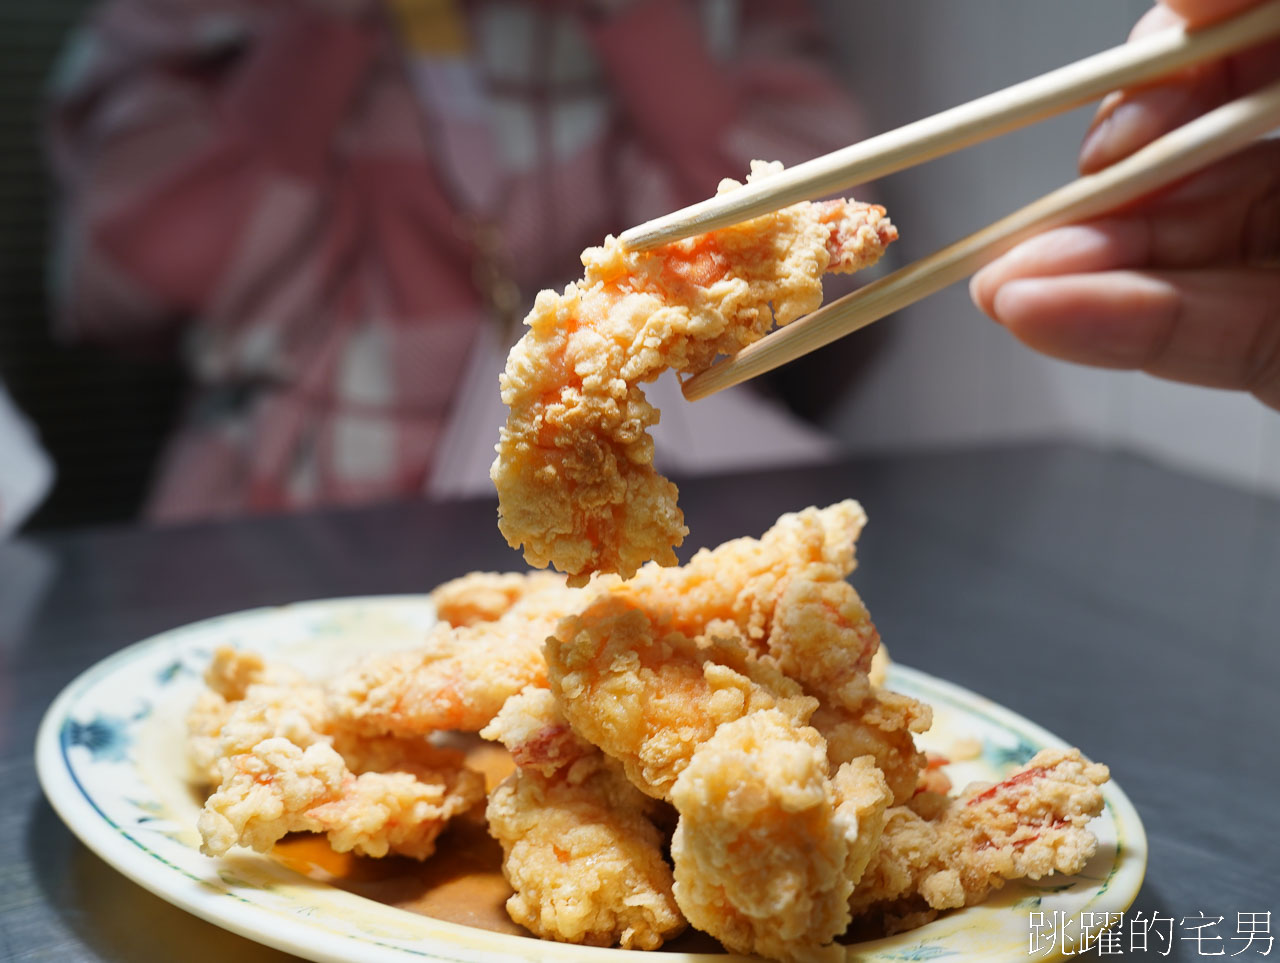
[411, 754]
[231, 671]
[574, 473]
[648, 694]
[533, 729]
[883, 728]
[277, 787]
[584, 859]
[205, 719]
[863, 797]
[281, 763]
[879, 671]
[397, 812]
[822, 636]
[274, 700]
[579, 849]
[487, 596]
[249, 700]
[785, 594]
[741, 581]
[637, 669]
[766, 852]
[265, 792]
[460, 677]
[952, 853]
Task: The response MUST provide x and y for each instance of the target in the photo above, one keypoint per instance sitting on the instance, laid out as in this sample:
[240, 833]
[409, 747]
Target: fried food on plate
[1028, 825]
[580, 851]
[249, 700]
[652, 666]
[784, 595]
[280, 762]
[647, 694]
[740, 581]
[882, 727]
[277, 787]
[767, 851]
[726, 709]
[487, 596]
[460, 677]
[532, 727]
[575, 476]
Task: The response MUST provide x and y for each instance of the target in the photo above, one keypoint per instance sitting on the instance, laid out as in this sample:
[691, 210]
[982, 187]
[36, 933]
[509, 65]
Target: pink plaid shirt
[280, 188]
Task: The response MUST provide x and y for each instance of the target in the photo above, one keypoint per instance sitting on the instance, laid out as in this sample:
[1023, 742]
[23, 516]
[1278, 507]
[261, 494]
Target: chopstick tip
[705, 383]
[642, 237]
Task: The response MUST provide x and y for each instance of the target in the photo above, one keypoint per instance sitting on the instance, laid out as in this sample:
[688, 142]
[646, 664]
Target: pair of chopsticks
[1176, 155]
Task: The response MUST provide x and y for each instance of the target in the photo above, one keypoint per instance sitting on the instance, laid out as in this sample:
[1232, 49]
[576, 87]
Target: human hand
[1184, 285]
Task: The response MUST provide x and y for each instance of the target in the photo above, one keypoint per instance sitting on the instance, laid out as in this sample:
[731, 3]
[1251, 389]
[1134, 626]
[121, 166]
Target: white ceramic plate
[110, 758]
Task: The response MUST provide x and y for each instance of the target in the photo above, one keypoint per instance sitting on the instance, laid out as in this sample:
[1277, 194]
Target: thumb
[1217, 327]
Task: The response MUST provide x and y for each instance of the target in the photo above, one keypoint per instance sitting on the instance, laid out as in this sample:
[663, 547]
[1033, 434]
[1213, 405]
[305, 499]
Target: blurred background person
[339, 210]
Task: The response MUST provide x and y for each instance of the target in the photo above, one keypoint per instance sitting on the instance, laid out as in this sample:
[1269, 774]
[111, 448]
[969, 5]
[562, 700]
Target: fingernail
[1094, 142]
[975, 284]
[1006, 299]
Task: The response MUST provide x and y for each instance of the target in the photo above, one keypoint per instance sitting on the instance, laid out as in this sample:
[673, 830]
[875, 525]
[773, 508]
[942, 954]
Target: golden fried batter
[574, 473]
[648, 694]
[461, 676]
[766, 852]
[883, 728]
[1029, 825]
[249, 700]
[487, 596]
[584, 859]
[879, 671]
[532, 727]
[785, 594]
[277, 787]
[281, 763]
[580, 850]
[742, 580]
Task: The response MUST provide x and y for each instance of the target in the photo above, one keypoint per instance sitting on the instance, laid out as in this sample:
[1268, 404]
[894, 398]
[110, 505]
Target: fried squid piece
[823, 637]
[647, 694]
[574, 473]
[741, 580]
[533, 729]
[785, 593]
[579, 849]
[264, 699]
[231, 672]
[278, 787]
[460, 677]
[251, 700]
[487, 596]
[263, 736]
[883, 727]
[1029, 825]
[768, 847]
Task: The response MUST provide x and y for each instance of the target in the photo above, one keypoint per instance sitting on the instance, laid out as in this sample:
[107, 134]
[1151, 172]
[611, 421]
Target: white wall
[949, 376]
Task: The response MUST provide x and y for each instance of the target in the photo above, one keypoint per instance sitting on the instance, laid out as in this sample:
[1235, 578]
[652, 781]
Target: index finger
[1132, 118]
[1199, 13]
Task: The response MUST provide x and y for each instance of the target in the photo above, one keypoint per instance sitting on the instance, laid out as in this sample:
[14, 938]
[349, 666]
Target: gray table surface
[1131, 609]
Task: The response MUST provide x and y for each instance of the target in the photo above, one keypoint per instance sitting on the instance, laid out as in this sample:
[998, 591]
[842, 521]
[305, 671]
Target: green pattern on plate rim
[110, 758]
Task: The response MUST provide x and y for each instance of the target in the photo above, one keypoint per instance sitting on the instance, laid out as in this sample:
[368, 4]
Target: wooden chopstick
[998, 113]
[1177, 154]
